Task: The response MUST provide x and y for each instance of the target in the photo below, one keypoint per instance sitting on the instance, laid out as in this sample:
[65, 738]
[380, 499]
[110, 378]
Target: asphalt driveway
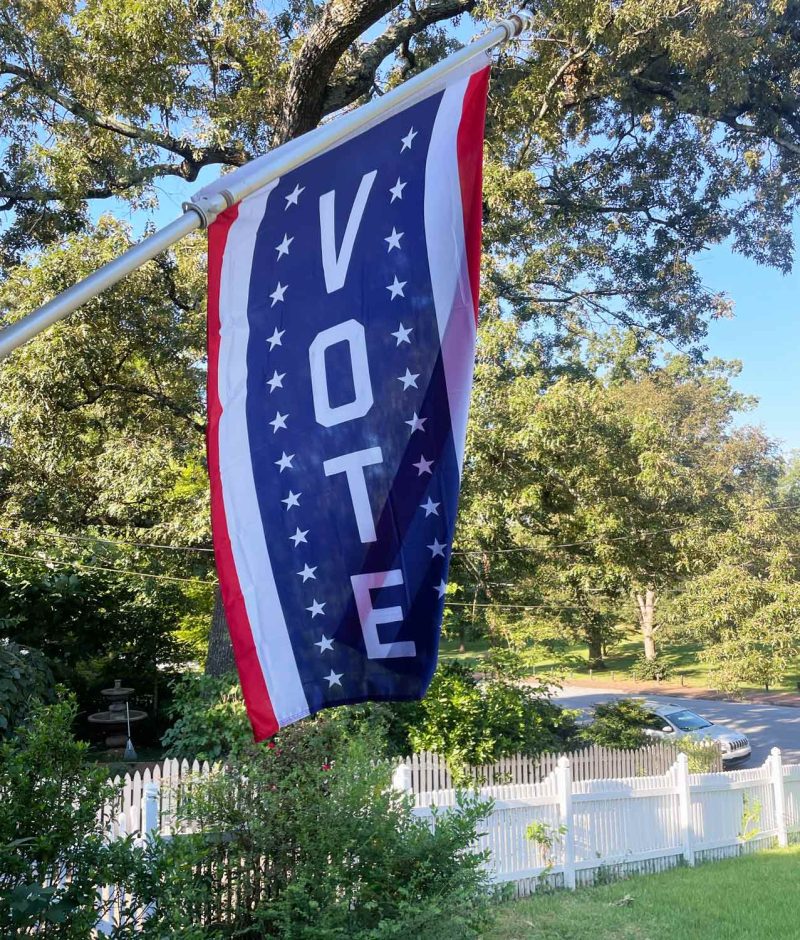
[766, 726]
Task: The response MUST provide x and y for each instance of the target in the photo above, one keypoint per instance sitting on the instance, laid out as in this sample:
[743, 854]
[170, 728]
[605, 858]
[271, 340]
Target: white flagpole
[206, 206]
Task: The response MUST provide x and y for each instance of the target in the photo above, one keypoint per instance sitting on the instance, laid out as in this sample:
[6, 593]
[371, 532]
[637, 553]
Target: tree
[743, 600]
[584, 477]
[623, 138]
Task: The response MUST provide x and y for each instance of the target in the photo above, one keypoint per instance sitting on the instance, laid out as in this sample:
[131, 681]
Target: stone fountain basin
[116, 718]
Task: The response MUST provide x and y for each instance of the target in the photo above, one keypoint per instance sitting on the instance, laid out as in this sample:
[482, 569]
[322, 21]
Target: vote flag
[341, 335]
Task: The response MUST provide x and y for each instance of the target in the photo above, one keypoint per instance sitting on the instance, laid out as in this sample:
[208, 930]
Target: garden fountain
[119, 716]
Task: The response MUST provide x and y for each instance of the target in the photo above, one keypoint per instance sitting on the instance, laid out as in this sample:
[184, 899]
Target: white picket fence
[626, 825]
[149, 800]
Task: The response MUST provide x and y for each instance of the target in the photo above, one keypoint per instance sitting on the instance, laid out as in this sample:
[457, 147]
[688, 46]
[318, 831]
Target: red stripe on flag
[469, 148]
[256, 696]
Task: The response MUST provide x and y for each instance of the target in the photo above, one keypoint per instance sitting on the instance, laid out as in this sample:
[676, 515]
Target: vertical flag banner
[341, 330]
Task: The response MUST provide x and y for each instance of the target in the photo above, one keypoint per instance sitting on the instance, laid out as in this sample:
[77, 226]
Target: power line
[93, 538]
[641, 534]
[47, 562]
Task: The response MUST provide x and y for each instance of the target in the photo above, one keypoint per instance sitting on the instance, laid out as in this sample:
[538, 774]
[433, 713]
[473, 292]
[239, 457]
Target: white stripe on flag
[250, 553]
[447, 260]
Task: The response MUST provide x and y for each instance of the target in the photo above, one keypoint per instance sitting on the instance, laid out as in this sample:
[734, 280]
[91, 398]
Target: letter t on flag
[341, 336]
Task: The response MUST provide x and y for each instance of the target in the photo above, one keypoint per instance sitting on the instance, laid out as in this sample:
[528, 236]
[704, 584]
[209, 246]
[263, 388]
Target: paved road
[766, 726]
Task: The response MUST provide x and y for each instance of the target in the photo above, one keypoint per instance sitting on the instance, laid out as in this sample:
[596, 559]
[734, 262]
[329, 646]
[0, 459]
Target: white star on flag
[324, 644]
[394, 239]
[431, 508]
[409, 380]
[299, 535]
[294, 195]
[396, 288]
[416, 423]
[285, 463]
[437, 548]
[440, 588]
[275, 339]
[279, 421]
[293, 499]
[408, 140]
[316, 608]
[423, 465]
[283, 248]
[334, 679]
[403, 333]
[397, 190]
[276, 381]
[307, 573]
[277, 294]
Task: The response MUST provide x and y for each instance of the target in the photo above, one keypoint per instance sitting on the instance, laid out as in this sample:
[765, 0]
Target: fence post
[564, 782]
[150, 814]
[776, 768]
[681, 775]
[402, 779]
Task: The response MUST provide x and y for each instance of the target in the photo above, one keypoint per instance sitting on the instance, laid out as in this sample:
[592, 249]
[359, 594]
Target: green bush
[651, 670]
[477, 722]
[50, 828]
[704, 756]
[25, 679]
[306, 839]
[210, 720]
[617, 724]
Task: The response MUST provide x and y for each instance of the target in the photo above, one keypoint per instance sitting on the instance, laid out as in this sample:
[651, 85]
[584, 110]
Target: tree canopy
[623, 139]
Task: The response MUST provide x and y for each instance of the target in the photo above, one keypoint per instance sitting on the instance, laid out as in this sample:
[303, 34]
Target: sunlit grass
[687, 667]
[750, 898]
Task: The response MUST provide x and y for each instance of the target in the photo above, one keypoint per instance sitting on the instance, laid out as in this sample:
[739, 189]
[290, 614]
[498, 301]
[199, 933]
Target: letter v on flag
[341, 335]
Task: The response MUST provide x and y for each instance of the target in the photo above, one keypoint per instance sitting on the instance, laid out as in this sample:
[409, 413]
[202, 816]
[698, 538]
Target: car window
[688, 721]
[655, 722]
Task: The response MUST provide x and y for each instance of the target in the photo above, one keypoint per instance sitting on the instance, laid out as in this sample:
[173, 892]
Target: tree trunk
[646, 612]
[220, 649]
[595, 641]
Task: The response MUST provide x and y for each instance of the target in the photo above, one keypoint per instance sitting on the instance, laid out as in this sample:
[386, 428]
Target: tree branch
[340, 24]
[360, 80]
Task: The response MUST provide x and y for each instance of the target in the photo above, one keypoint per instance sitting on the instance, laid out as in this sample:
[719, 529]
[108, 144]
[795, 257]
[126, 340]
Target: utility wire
[46, 533]
[47, 562]
[641, 534]
[638, 536]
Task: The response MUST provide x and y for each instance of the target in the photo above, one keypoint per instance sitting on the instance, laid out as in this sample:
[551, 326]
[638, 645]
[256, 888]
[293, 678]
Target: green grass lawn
[752, 898]
[684, 659]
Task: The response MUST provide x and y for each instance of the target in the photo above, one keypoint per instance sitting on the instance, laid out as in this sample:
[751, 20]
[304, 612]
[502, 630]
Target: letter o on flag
[352, 333]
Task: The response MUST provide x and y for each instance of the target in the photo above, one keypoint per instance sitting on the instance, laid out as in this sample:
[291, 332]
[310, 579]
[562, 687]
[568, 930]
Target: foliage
[50, 830]
[476, 722]
[93, 627]
[25, 679]
[210, 719]
[651, 670]
[307, 838]
[703, 755]
[743, 599]
[638, 135]
[617, 724]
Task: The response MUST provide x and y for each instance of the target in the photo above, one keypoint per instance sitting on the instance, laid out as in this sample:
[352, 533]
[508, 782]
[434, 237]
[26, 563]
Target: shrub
[477, 722]
[307, 839]
[50, 829]
[704, 756]
[210, 718]
[651, 670]
[617, 724]
[25, 679]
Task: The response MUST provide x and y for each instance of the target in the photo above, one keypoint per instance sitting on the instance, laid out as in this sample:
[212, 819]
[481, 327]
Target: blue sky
[764, 335]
